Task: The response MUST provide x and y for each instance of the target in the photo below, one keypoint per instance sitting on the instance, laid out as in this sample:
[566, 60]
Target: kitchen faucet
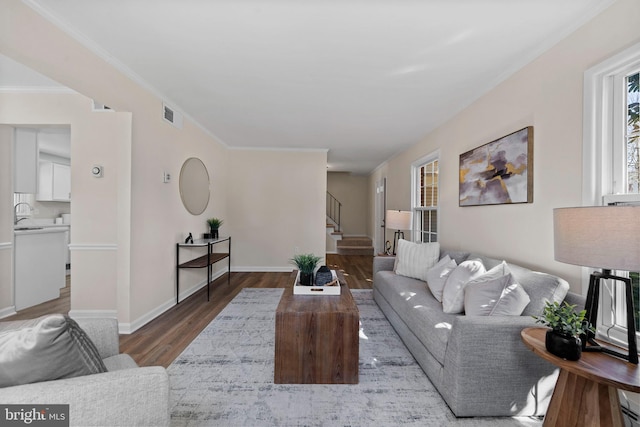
[15, 212]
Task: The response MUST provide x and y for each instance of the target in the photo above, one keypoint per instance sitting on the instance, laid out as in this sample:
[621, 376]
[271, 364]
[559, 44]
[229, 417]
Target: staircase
[355, 246]
[335, 237]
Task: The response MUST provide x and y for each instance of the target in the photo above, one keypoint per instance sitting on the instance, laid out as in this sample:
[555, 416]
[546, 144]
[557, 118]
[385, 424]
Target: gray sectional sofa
[478, 363]
[126, 395]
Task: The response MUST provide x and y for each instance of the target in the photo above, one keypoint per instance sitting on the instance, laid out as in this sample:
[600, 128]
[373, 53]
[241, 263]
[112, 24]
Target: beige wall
[276, 204]
[353, 192]
[546, 94]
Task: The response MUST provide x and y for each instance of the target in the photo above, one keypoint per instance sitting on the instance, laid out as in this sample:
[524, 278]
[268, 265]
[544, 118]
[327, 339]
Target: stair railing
[333, 209]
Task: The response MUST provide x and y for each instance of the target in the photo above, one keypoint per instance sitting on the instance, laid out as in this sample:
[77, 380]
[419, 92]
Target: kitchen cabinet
[54, 182]
[25, 161]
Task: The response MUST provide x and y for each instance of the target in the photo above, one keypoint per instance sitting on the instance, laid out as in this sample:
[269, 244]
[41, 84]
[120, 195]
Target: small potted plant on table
[306, 264]
[214, 225]
[567, 326]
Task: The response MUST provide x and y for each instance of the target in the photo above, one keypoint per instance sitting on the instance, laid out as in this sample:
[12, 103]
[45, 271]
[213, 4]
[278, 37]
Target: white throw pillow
[415, 259]
[497, 296]
[497, 271]
[438, 274]
[513, 301]
[453, 294]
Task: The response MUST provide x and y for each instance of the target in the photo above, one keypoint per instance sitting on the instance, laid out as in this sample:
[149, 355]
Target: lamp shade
[399, 220]
[606, 237]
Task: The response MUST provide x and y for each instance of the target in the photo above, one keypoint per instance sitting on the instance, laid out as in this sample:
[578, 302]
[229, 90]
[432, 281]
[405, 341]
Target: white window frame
[416, 232]
[603, 183]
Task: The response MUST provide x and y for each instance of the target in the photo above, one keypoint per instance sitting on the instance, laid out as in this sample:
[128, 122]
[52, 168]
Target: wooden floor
[160, 341]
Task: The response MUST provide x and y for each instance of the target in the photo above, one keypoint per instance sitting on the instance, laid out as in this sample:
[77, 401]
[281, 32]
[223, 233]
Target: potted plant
[306, 264]
[214, 225]
[567, 325]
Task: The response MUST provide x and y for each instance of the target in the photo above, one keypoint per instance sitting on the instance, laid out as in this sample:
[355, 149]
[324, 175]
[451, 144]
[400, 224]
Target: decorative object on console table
[601, 237]
[567, 325]
[214, 226]
[398, 220]
[306, 264]
[499, 172]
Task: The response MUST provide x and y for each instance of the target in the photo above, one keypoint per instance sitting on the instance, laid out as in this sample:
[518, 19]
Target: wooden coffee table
[317, 338]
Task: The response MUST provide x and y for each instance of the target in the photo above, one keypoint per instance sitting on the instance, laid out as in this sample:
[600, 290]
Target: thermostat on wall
[97, 171]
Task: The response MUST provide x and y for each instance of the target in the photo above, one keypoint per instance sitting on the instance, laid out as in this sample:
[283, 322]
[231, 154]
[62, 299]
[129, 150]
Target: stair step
[355, 241]
[355, 250]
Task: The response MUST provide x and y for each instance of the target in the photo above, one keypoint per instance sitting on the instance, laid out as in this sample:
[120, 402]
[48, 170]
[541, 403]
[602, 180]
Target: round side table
[586, 393]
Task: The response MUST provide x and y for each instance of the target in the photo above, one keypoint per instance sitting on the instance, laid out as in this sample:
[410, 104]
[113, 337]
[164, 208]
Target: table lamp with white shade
[606, 237]
[398, 220]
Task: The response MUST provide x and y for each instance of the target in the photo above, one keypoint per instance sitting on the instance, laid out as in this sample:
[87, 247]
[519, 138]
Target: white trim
[293, 149]
[37, 89]
[6, 245]
[8, 311]
[595, 129]
[93, 247]
[261, 269]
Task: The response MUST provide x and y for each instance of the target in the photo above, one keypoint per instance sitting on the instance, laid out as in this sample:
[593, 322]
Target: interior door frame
[380, 209]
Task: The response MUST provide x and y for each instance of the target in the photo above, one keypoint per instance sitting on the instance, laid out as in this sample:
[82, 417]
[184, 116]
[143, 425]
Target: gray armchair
[126, 395]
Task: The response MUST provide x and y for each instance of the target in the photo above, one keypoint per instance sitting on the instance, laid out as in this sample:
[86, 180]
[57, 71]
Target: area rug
[225, 377]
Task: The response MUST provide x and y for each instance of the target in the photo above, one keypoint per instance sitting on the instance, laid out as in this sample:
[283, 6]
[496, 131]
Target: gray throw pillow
[47, 348]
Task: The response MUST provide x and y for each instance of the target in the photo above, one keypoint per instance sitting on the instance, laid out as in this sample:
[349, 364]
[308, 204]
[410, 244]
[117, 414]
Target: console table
[206, 260]
[586, 393]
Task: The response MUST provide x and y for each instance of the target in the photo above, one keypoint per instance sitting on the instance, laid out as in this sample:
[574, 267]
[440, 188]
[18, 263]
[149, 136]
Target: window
[424, 199]
[611, 167]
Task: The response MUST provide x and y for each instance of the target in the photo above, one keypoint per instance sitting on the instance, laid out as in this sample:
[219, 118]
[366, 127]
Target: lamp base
[396, 237]
[593, 296]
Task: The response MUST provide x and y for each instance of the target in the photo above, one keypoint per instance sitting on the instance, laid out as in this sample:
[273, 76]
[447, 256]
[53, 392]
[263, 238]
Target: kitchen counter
[39, 265]
[40, 229]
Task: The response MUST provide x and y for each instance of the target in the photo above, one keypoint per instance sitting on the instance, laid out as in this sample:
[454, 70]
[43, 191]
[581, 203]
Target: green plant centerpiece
[567, 326]
[306, 264]
[214, 225]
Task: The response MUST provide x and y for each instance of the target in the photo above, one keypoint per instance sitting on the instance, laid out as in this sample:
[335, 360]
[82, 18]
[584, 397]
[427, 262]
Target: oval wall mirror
[194, 185]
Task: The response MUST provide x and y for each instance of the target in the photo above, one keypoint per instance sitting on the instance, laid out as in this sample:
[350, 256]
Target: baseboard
[331, 252]
[128, 328]
[262, 269]
[9, 311]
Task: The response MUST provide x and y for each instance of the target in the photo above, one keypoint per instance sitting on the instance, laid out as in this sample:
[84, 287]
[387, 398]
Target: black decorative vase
[214, 233]
[569, 348]
[306, 279]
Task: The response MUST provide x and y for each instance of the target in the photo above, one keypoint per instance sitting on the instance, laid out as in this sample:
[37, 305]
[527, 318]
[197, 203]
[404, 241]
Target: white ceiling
[364, 79]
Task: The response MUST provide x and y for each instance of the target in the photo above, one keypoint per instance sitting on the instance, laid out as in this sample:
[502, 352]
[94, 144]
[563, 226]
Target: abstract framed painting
[499, 172]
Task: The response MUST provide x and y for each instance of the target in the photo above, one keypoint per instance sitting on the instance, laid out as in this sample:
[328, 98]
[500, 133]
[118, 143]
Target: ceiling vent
[172, 116]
